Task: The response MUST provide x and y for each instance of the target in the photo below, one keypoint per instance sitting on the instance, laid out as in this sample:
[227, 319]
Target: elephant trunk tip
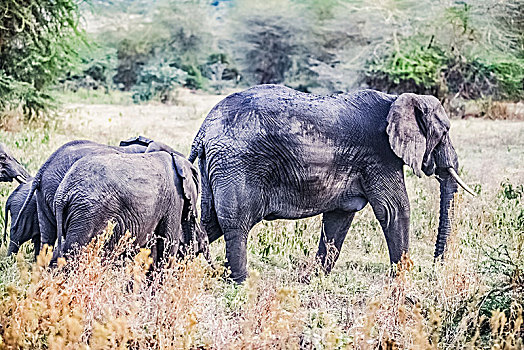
[439, 250]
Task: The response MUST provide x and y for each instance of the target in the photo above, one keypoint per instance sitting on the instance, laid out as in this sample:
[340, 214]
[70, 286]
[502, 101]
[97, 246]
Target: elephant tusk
[457, 178]
[21, 179]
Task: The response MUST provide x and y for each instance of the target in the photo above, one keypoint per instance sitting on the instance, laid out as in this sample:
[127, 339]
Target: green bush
[454, 54]
[414, 69]
[156, 80]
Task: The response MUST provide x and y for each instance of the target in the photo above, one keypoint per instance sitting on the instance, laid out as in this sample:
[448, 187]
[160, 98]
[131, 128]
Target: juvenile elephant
[271, 152]
[152, 195]
[10, 168]
[27, 227]
[52, 172]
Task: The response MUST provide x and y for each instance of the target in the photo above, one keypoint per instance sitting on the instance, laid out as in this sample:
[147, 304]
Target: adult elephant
[152, 195]
[27, 227]
[271, 152]
[48, 178]
[10, 167]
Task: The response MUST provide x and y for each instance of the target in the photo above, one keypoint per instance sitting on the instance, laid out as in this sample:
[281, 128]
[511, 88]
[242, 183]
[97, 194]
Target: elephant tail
[198, 143]
[59, 225]
[34, 185]
[196, 147]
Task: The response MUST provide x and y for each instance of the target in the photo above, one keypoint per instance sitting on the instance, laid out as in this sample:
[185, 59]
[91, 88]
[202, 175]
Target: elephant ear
[416, 124]
[190, 179]
[194, 235]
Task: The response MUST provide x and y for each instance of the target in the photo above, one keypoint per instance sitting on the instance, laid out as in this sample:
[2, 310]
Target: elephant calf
[27, 227]
[153, 195]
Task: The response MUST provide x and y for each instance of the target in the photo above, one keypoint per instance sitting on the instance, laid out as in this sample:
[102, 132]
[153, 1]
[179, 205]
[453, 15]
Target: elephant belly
[305, 205]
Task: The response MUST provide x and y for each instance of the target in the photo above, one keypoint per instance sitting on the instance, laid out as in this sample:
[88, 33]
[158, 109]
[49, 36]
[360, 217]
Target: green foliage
[510, 75]
[461, 48]
[38, 43]
[132, 55]
[455, 54]
[413, 69]
[156, 80]
[95, 71]
[507, 257]
[281, 244]
[169, 49]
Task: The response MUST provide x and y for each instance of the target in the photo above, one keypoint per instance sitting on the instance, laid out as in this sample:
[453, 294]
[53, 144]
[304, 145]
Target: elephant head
[194, 236]
[418, 134]
[10, 168]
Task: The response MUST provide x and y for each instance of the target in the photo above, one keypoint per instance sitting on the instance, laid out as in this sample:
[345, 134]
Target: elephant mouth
[21, 178]
[461, 183]
[451, 172]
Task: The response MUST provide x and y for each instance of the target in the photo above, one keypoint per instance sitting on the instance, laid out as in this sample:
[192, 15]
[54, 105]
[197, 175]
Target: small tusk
[457, 178]
[21, 179]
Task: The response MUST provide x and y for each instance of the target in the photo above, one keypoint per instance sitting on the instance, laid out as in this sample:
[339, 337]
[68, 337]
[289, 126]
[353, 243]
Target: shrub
[453, 54]
[156, 80]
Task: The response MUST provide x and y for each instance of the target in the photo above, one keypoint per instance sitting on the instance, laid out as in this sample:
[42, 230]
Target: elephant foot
[238, 278]
[224, 273]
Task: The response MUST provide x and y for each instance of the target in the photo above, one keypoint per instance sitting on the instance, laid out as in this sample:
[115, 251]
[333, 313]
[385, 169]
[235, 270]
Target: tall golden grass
[108, 300]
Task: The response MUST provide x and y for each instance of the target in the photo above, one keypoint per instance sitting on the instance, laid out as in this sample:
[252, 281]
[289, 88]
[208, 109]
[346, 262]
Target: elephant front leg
[391, 208]
[36, 244]
[335, 226]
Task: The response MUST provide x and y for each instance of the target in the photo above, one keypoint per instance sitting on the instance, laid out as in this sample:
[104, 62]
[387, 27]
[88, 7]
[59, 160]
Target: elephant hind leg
[46, 221]
[237, 212]
[209, 219]
[335, 226]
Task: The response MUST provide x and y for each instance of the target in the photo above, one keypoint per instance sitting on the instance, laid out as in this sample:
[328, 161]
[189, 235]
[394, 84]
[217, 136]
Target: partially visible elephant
[271, 152]
[10, 168]
[27, 227]
[152, 195]
[50, 175]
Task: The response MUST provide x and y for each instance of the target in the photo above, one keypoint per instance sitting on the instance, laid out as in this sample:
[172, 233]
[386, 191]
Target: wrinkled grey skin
[271, 152]
[10, 168]
[27, 228]
[50, 175]
[152, 195]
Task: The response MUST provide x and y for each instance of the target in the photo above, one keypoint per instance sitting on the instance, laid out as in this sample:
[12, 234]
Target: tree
[267, 39]
[38, 41]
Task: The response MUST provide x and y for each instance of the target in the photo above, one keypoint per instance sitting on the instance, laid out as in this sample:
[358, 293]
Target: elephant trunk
[448, 187]
[203, 243]
[6, 219]
[195, 239]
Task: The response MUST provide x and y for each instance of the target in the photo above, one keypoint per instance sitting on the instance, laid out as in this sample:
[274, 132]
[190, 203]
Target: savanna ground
[474, 299]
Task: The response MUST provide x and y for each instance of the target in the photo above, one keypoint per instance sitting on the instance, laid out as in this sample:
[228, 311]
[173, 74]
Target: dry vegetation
[474, 299]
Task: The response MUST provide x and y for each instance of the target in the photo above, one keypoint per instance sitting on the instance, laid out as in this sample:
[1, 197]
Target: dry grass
[471, 300]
